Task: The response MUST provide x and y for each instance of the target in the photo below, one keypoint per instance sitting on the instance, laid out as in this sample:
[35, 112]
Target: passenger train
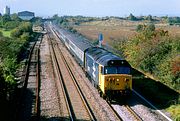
[109, 73]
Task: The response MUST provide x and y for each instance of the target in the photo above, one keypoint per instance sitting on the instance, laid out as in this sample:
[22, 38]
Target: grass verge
[175, 111]
[6, 33]
[160, 95]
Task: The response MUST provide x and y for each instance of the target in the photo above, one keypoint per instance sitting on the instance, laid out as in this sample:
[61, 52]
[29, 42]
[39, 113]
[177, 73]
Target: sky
[122, 8]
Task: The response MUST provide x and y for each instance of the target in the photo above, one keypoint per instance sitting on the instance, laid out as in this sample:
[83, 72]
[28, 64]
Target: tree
[1, 34]
[145, 28]
[155, 52]
[55, 16]
[149, 18]
[11, 24]
[24, 27]
[2, 84]
[37, 21]
[15, 33]
[14, 17]
[25, 36]
[132, 17]
[5, 18]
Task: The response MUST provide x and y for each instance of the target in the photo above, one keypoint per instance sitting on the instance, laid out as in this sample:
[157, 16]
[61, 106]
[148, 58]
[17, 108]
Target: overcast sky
[94, 7]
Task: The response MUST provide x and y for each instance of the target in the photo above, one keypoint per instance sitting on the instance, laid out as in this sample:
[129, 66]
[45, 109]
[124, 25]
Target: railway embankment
[14, 51]
[155, 52]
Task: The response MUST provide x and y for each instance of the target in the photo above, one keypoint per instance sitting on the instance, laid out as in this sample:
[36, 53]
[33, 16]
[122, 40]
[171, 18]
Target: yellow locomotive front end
[115, 81]
[113, 85]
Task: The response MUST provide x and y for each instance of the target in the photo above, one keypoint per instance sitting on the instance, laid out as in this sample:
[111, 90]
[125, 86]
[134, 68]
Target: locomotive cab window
[110, 70]
[117, 70]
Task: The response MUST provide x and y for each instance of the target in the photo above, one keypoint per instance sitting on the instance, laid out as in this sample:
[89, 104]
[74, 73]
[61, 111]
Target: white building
[7, 10]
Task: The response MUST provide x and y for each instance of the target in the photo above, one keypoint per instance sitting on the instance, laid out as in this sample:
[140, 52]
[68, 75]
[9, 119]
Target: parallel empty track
[28, 106]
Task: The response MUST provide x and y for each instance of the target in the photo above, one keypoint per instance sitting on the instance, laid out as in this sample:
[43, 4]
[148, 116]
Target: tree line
[11, 51]
[154, 51]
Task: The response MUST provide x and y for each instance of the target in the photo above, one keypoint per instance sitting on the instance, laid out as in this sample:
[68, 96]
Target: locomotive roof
[104, 57]
[81, 42]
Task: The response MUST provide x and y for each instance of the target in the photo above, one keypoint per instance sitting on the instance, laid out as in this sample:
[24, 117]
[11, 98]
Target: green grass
[175, 112]
[160, 95]
[6, 33]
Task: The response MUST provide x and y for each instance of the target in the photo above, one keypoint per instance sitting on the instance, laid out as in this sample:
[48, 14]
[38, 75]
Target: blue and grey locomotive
[108, 72]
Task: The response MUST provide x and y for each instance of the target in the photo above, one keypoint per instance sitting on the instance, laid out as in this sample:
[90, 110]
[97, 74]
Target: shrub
[155, 52]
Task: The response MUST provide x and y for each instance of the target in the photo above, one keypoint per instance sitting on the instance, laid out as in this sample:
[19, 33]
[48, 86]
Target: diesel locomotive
[109, 73]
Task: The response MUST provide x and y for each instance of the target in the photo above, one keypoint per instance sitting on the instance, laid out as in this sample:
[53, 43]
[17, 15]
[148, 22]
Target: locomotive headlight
[112, 62]
[117, 80]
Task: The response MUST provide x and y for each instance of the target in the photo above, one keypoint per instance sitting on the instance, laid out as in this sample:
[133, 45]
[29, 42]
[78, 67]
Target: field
[116, 29]
[111, 30]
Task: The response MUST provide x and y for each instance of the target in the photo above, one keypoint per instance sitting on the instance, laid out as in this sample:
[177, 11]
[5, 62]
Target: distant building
[7, 10]
[26, 15]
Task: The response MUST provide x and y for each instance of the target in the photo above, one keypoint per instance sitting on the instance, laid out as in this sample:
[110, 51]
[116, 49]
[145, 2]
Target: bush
[139, 28]
[25, 36]
[10, 49]
[155, 52]
[9, 67]
[11, 25]
[22, 31]
[16, 33]
[1, 34]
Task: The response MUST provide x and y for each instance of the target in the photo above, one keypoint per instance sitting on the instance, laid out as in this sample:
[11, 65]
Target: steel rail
[67, 100]
[82, 93]
[25, 81]
[136, 116]
[89, 110]
[37, 102]
[114, 111]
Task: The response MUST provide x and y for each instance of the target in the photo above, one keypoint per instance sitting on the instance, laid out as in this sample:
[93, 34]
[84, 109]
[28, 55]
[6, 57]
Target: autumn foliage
[154, 51]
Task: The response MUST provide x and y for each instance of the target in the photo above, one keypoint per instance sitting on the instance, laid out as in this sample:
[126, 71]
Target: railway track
[28, 105]
[59, 85]
[126, 112]
[76, 103]
[156, 111]
[135, 115]
[137, 109]
[111, 108]
[115, 111]
[34, 85]
[37, 102]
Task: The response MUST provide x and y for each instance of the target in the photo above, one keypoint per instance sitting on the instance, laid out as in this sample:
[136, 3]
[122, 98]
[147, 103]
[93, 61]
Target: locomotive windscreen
[117, 70]
[118, 63]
